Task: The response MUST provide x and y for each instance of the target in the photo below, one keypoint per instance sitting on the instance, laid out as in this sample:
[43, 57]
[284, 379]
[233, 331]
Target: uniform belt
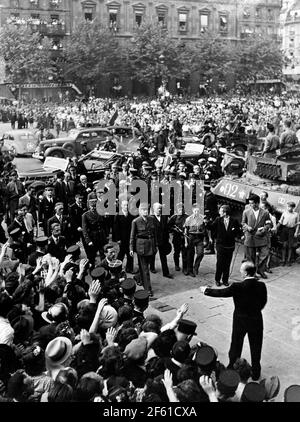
[144, 237]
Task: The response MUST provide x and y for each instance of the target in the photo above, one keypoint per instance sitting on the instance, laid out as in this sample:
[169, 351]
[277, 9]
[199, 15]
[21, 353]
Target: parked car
[79, 141]
[20, 142]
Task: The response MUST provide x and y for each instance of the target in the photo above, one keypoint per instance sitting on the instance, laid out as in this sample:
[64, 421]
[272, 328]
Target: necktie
[226, 223]
[16, 189]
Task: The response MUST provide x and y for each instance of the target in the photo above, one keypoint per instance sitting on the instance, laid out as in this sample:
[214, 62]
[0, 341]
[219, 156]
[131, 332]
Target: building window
[34, 3]
[270, 15]
[88, 13]
[138, 18]
[113, 19]
[204, 22]
[258, 13]
[246, 14]
[223, 22]
[54, 19]
[139, 12]
[182, 22]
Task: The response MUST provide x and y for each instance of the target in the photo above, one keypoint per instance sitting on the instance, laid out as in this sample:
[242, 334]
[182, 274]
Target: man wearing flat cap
[143, 241]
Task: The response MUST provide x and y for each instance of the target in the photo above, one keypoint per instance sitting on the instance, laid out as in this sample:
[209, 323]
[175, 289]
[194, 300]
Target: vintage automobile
[19, 142]
[94, 163]
[79, 141]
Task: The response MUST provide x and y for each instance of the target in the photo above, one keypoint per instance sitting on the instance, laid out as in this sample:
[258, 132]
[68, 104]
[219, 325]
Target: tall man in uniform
[143, 241]
[93, 231]
[250, 297]
[121, 234]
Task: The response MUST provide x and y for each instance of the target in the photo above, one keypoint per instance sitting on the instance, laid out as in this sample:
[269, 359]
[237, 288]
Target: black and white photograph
[149, 204]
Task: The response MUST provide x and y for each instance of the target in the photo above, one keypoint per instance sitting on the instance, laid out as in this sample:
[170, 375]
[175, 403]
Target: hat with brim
[187, 327]
[58, 350]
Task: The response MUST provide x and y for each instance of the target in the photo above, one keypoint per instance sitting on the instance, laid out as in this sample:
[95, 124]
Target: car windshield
[73, 133]
[26, 137]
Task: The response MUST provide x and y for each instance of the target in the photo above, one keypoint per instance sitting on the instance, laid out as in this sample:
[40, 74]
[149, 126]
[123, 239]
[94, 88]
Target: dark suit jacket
[249, 297]
[64, 225]
[162, 231]
[122, 228]
[255, 238]
[76, 214]
[93, 228]
[143, 236]
[46, 209]
[59, 192]
[225, 237]
[57, 250]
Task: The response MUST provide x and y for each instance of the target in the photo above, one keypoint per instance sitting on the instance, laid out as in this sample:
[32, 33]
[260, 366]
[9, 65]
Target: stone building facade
[290, 27]
[233, 20]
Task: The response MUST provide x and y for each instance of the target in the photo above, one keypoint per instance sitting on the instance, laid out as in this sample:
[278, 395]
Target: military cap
[145, 163]
[49, 188]
[92, 196]
[205, 356]
[43, 240]
[59, 204]
[148, 167]
[292, 394]
[187, 327]
[228, 381]
[141, 297]
[133, 170]
[115, 266]
[128, 286]
[98, 273]
[73, 249]
[253, 392]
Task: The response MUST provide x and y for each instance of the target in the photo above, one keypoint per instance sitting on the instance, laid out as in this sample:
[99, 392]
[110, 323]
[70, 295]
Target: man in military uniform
[143, 241]
[128, 288]
[176, 224]
[93, 231]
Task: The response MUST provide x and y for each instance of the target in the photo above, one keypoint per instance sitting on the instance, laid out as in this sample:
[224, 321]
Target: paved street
[281, 352]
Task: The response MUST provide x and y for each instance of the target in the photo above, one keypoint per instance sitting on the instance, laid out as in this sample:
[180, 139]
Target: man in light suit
[256, 237]
[143, 241]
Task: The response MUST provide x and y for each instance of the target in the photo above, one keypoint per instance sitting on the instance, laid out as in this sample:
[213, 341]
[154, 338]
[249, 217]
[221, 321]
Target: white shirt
[158, 217]
[256, 213]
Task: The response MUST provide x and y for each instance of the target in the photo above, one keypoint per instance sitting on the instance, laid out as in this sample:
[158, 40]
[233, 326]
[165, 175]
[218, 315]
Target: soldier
[141, 303]
[176, 226]
[76, 212]
[143, 241]
[46, 209]
[93, 231]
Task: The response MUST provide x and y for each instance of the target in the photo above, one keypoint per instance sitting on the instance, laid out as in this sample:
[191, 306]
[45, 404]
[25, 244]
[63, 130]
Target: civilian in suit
[30, 201]
[14, 191]
[162, 235]
[76, 212]
[250, 297]
[93, 230]
[256, 235]
[143, 241]
[225, 230]
[46, 209]
[83, 189]
[61, 219]
[176, 225]
[121, 234]
[57, 243]
[69, 189]
[59, 189]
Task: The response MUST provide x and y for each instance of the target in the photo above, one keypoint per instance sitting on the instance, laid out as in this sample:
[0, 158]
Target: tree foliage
[27, 57]
[91, 53]
[258, 58]
[212, 56]
[153, 53]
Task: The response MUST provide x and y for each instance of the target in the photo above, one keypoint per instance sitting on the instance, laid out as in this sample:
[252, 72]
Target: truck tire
[56, 153]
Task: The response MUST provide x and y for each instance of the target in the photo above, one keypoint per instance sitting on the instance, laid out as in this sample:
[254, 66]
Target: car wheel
[68, 146]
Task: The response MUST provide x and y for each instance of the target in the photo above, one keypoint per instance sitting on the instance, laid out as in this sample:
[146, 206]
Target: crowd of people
[75, 322]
